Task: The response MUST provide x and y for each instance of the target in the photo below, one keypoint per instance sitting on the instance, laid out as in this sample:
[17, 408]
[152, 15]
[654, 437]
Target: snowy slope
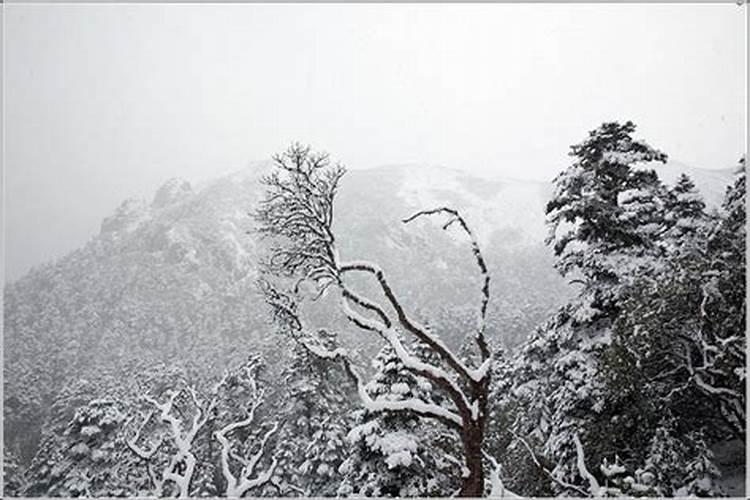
[173, 278]
[711, 183]
[190, 246]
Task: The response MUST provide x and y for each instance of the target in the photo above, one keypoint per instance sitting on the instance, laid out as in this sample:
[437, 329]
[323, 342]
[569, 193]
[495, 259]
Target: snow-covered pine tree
[96, 453]
[317, 405]
[89, 458]
[724, 311]
[643, 211]
[682, 325]
[517, 471]
[442, 446]
[48, 465]
[685, 210]
[575, 396]
[392, 454]
[590, 226]
[627, 400]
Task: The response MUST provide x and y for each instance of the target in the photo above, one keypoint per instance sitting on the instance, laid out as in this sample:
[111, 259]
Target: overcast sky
[106, 102]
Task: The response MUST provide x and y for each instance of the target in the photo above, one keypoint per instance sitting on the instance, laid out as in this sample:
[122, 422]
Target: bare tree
[181, 466]
[298, 212]
[147, 454]
[249, 477]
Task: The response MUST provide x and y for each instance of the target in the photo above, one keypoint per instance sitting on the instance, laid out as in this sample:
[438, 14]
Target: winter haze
[374, 250]
[107, 102]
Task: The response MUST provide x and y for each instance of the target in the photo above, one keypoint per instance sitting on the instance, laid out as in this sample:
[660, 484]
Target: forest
[347, 382]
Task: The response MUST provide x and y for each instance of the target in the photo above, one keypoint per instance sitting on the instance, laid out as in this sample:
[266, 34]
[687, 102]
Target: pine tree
[391, 452]
[725, 304]
[598, 385]
[88, 458]
[685, 209]
[585, 214]
[313, 444]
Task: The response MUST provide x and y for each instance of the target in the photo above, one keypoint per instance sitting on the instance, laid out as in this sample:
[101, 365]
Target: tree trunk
[473, 485]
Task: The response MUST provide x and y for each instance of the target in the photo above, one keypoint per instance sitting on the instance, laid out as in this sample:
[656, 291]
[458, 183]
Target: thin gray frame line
[739, 3]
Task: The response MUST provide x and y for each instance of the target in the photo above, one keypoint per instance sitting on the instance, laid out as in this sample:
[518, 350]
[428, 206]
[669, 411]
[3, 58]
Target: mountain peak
[127, 216]
[173, 190]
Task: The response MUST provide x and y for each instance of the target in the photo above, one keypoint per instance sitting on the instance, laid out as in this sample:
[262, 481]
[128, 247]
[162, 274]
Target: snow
[610, 470]
[520, 203]
[400, 388]
[322, 352]
[80, 450]
[397, 447]
[415, 405]
[480, 373]
[594, 487]
[710, 183]
[90, 430]
[409, 361]
[474, 410]
[361, 430]
[631, 195]
[497, 488]
[622, 158]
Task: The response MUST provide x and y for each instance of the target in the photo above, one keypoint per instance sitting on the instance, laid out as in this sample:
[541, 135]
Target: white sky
[105, 102]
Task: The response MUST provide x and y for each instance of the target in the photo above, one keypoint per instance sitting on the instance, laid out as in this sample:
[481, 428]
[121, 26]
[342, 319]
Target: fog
[106, 102]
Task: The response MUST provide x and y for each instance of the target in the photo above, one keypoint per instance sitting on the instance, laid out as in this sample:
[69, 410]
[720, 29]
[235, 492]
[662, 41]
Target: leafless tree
[249, 476]
[181, 466]
[298, 212]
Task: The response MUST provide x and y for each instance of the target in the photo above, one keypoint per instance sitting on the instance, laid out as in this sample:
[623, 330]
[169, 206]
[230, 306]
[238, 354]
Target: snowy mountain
[173, 279]
[711, 183]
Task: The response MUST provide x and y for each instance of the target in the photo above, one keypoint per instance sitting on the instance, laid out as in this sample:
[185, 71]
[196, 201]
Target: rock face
[172, 192]
[174, 280]
[127, 216]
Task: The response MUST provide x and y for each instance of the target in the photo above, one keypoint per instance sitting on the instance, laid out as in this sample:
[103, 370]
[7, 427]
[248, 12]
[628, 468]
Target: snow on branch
[237, 486]
[413, 405]
[455, 216]
[284, 308]
[419, 331]
[544, 469]
[299, 207]
[147, 455]
[298, 211]
[594, 488]
[365, 303]
[182, 465]
[497, 488]
[141, 452]
[411, 363]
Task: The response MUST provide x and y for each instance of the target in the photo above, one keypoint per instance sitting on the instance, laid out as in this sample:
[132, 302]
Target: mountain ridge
[173, 279]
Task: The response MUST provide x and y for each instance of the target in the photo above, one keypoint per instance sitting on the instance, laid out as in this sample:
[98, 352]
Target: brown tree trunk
[473, 485]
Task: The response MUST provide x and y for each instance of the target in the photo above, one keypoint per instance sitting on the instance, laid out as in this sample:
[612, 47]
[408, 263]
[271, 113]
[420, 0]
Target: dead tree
[249, 477]
[181, 466]
[147, 454]
[297, 212]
